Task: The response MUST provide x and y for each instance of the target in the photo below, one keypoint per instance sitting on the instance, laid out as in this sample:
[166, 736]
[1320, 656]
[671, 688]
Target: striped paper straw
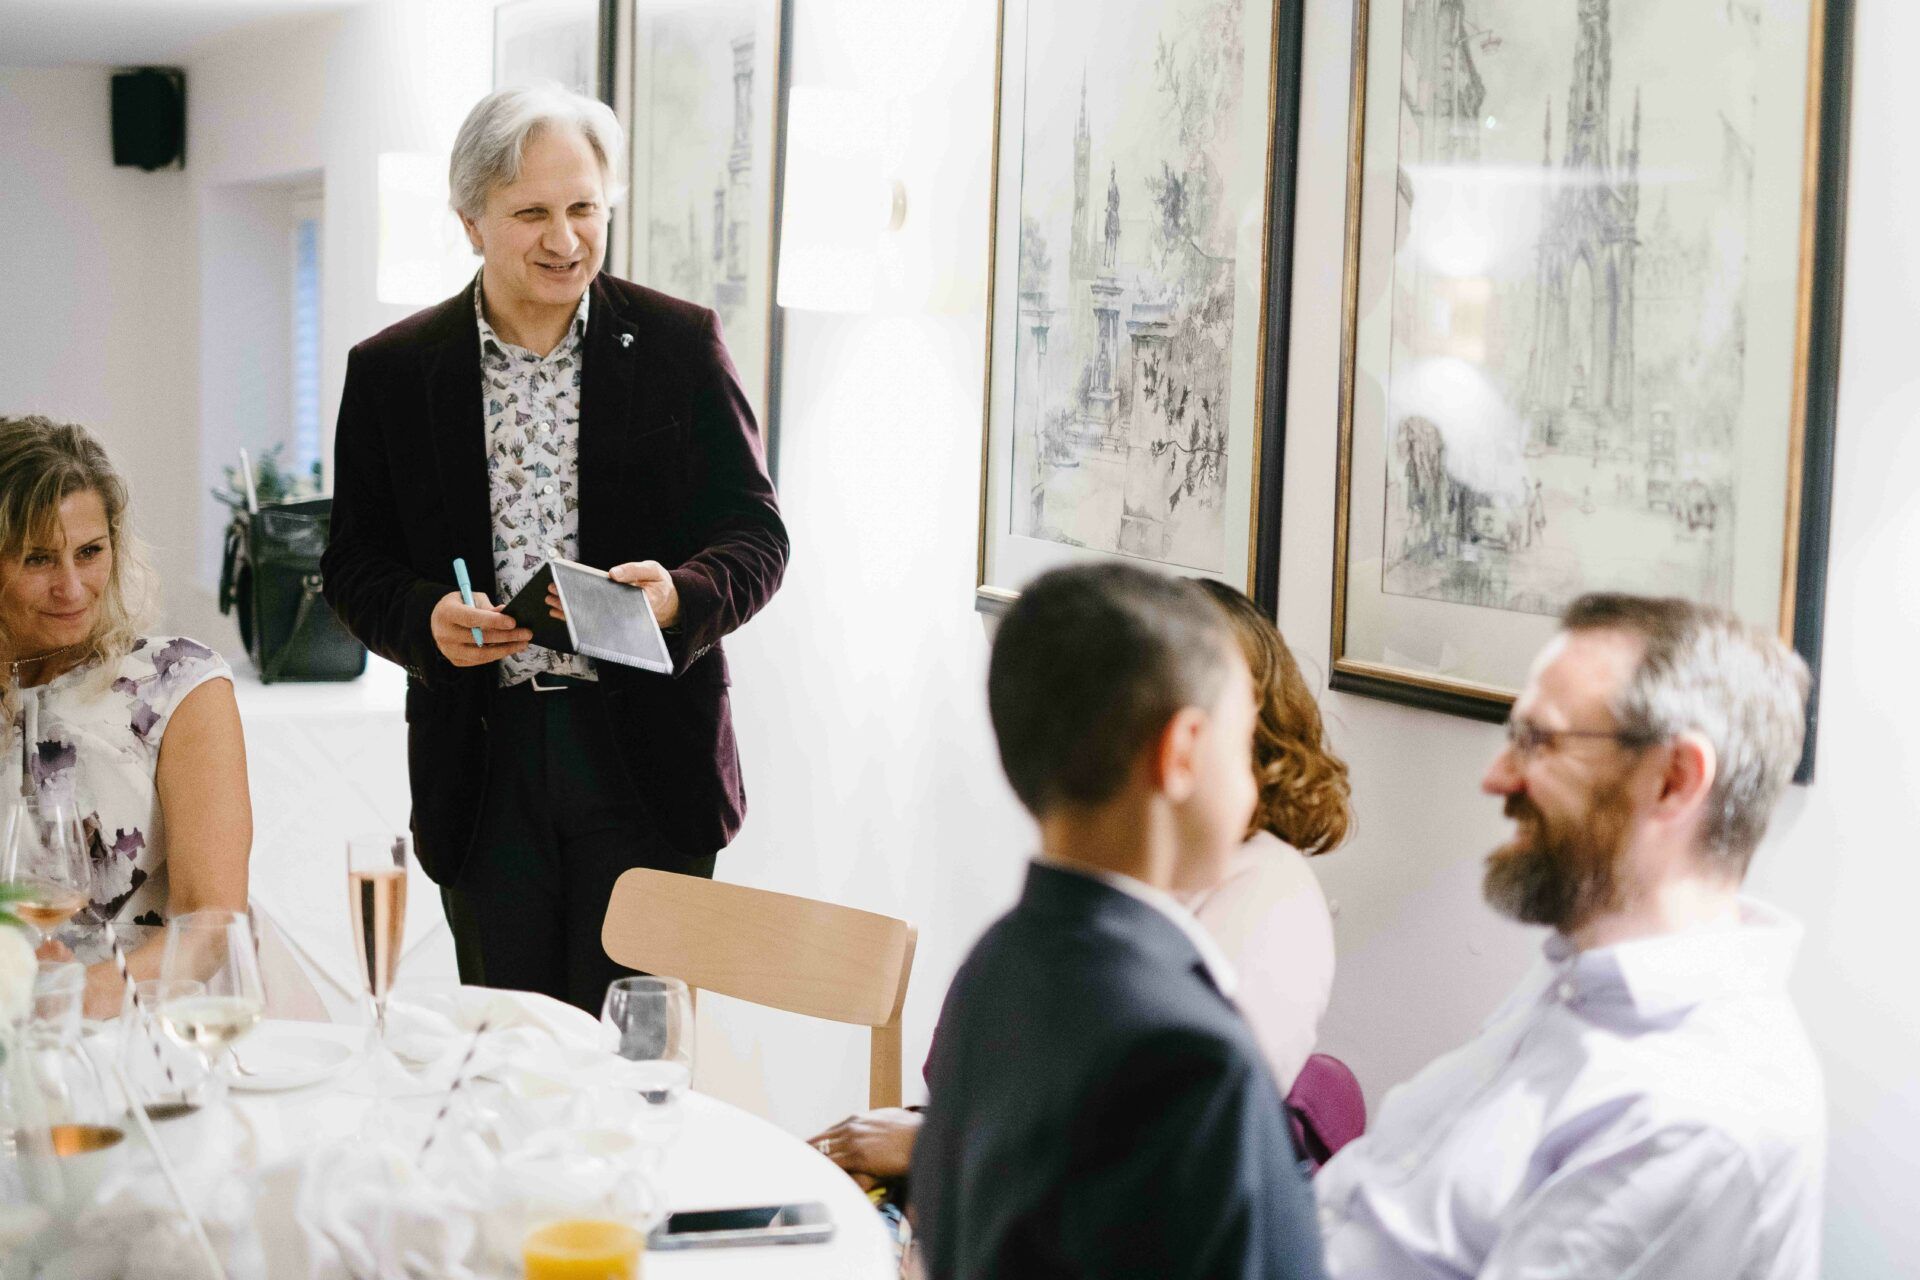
[133, 994]
[459, 1078]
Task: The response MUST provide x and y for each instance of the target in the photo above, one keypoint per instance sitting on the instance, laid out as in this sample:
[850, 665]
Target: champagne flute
[216, 950]
[45, 854]
[377, 908]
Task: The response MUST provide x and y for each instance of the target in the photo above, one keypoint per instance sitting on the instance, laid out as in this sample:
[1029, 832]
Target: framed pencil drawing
[1591, 325]
[708, 94]
[541, 40]
[1140, 243]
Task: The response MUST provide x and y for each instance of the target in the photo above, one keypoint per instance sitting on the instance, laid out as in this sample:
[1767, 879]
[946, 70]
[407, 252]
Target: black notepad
[607, 620]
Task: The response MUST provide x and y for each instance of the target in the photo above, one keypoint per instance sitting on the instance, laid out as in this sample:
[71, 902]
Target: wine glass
[653, 1018]
[45, 854]
[377, 910]
[216, 950]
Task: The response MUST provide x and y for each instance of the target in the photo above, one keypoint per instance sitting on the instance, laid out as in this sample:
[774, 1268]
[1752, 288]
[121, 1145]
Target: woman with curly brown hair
[1268, 914]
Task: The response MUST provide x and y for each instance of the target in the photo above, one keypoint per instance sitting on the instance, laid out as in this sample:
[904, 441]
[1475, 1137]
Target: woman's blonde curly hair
[42, 464]
[1304, 793]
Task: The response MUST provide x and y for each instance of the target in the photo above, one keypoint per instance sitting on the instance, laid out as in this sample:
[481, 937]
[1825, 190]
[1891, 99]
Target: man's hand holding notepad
[605, 619]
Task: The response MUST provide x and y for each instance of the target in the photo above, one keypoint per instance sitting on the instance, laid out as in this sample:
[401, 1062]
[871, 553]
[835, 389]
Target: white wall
[858, 695]
[125, 291]
[246, 328]
[281, 103]
[98, 304]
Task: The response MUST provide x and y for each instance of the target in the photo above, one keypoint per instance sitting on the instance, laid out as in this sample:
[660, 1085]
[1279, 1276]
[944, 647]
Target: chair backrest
[1326, 1109]
[773, 949]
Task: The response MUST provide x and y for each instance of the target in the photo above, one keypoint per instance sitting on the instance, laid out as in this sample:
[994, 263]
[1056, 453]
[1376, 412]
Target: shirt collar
[1219, 968]
[1663, 977]
[575, 332]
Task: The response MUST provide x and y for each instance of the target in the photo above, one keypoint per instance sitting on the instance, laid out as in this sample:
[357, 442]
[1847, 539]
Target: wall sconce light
[843, 202]
[424, 253]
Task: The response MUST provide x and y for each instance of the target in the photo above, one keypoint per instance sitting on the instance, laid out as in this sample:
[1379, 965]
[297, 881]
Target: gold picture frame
[1677, 467]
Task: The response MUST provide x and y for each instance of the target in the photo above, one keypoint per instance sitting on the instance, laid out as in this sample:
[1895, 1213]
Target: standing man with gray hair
[1646, 1104]
[551, 411]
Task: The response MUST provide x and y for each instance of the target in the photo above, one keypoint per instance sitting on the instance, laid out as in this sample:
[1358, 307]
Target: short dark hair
[1088, 667]
[1705, 671]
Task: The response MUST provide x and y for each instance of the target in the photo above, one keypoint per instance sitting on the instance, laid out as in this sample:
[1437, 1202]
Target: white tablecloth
[722, 1157]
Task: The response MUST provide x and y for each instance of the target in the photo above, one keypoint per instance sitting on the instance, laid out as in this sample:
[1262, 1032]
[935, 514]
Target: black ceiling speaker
[150, 118]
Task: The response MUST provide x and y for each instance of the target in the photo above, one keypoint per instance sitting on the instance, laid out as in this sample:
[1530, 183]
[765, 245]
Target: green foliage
[11, 893]
[272, 481]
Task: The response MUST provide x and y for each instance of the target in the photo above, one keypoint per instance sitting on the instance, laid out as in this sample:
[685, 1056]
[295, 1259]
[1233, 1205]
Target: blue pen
[466, 593]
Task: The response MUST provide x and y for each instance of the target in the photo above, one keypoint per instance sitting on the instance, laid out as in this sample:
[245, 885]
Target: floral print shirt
[100, 749]
[532, 407]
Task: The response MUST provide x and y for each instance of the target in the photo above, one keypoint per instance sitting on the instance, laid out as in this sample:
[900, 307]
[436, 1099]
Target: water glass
[46, 1077]
[216, 950]
[158, 1068]
[653, 1021]
[43, 850]
[653, 1018]
[70, 1085]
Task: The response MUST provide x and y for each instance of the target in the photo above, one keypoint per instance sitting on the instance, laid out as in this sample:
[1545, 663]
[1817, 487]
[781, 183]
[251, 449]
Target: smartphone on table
[804, 1223]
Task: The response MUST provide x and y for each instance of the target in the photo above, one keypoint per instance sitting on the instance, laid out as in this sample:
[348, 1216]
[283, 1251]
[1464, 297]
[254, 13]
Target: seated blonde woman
[139, 731]
[1268, 914]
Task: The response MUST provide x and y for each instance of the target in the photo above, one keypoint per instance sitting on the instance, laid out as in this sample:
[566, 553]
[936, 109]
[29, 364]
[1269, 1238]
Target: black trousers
[559, 822]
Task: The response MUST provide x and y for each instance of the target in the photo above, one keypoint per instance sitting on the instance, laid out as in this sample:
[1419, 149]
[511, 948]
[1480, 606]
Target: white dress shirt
[1646, 1110]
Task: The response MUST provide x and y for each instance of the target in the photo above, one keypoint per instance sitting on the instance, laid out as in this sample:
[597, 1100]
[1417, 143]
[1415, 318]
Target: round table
[723, 1157]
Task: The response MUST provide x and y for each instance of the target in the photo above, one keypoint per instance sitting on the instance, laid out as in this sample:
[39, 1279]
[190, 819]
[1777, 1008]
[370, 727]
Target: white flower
[17, 968]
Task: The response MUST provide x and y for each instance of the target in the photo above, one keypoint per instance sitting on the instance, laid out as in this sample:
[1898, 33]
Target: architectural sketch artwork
[1126, 277]
[535, 41]
[1569, 299]
[704, 191]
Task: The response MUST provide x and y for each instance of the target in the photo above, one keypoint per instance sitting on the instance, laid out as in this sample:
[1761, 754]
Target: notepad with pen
[605, 619]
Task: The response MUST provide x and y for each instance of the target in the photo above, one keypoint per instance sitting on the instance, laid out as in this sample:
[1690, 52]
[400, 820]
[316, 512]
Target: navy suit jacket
[671, 469]
[1099, 1109]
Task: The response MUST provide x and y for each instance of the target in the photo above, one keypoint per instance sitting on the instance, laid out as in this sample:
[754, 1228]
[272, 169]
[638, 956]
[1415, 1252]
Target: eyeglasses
[1528, 739]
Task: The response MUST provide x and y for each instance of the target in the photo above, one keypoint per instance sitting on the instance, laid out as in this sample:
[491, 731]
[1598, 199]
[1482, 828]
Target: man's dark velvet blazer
[671, 469]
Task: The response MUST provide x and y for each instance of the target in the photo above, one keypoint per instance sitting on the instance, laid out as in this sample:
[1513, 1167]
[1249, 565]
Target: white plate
[282, 1058]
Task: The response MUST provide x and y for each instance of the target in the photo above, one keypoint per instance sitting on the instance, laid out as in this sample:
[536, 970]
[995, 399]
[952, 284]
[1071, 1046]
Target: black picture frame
[617, 23]
[1813, 409]
[1267, 485]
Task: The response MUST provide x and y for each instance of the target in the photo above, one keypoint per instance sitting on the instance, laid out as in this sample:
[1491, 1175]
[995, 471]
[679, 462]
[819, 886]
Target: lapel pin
[626, 340]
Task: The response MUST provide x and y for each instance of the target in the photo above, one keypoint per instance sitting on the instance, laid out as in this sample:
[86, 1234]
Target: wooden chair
[773, 949]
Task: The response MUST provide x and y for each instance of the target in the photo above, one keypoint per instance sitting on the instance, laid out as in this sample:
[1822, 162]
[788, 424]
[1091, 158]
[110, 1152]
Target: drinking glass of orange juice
[582, 1249]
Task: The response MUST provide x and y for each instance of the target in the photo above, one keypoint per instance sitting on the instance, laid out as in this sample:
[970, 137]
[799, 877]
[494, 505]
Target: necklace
[14, 665]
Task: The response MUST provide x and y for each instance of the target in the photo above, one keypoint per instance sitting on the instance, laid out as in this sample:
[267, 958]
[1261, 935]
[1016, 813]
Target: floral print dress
[101, 749]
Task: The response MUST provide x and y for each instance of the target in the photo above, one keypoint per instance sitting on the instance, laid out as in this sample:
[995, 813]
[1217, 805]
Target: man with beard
[1646, 1104]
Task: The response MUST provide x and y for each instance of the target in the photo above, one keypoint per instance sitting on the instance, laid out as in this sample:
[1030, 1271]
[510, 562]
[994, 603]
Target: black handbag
[270, 575]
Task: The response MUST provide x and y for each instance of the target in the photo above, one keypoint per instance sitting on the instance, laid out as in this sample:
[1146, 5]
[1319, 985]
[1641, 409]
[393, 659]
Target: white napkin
[368, 1209]
[542, 1071]
[133, 1229]
[433, 1028]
